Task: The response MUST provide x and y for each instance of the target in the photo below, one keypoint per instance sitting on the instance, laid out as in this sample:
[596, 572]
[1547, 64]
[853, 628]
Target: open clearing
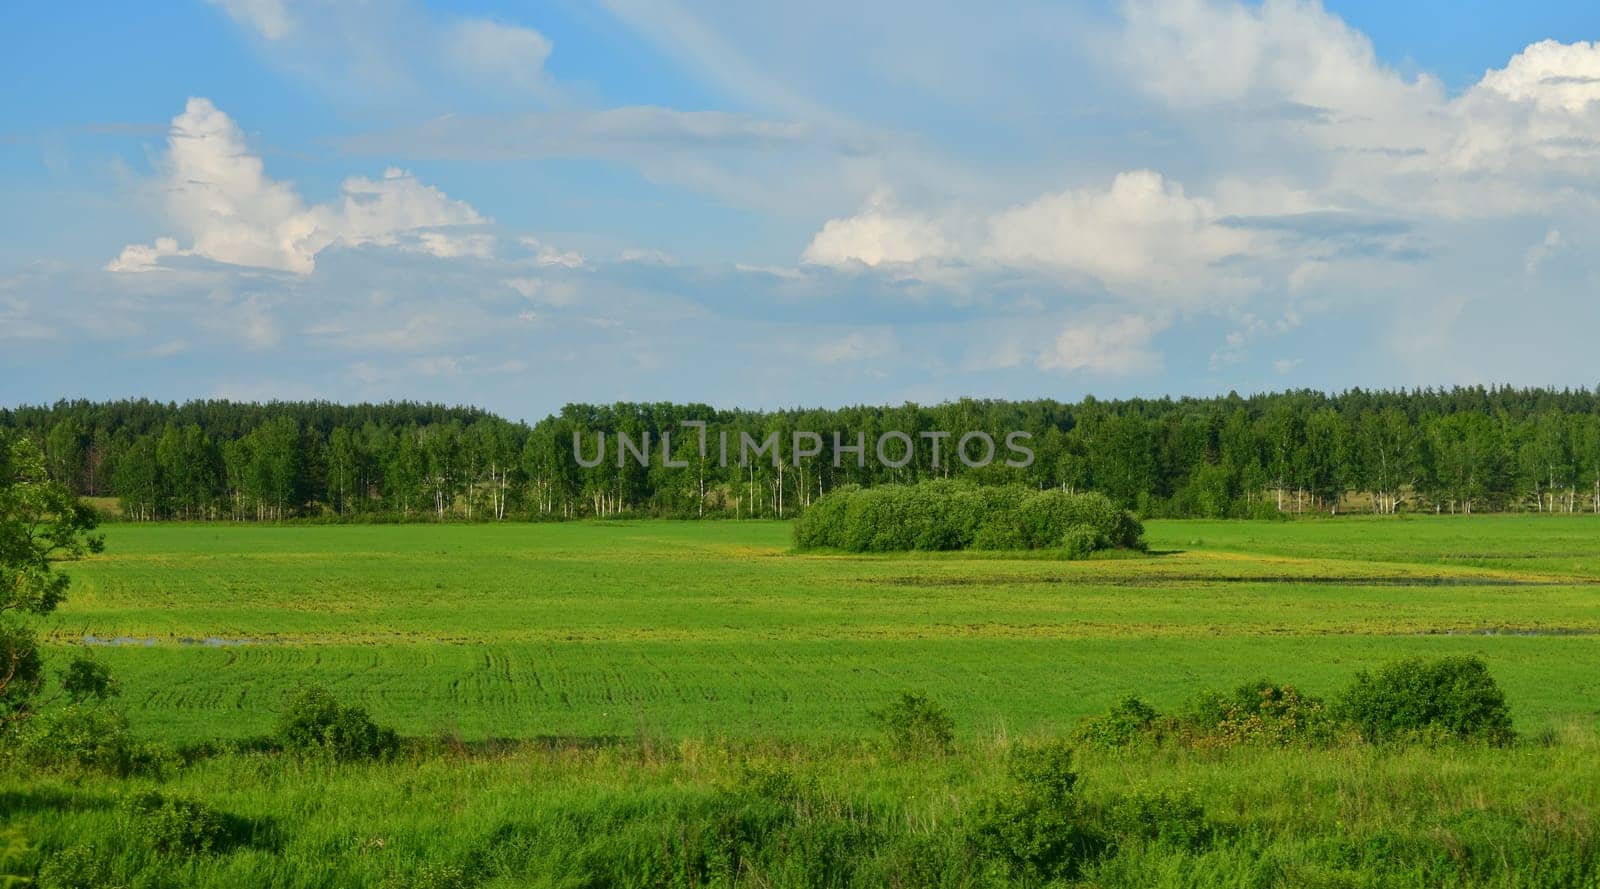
[679, 629]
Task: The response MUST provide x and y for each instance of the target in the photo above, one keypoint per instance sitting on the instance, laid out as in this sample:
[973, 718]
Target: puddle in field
[1168, 579]
[204, 641]
[1518, 631]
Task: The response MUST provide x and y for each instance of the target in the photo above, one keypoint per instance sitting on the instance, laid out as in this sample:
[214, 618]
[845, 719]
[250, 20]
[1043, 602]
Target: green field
[678, 629]
[676, 704]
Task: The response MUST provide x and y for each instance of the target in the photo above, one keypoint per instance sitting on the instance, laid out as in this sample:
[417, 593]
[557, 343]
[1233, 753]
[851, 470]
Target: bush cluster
[1452, 698]
[170, 825]
[951, 515]
[315, 723]
[85, 737]
[1041, 828]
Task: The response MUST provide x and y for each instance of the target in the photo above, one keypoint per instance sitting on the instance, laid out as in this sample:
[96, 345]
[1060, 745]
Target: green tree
[41, 522]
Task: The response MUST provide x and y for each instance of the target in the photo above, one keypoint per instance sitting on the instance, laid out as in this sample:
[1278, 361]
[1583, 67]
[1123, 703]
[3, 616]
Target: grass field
[675, 629]
[692, 703]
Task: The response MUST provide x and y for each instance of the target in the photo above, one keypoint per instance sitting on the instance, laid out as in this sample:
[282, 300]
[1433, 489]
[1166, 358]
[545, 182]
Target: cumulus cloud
[218, 195]
[1142, 234]
[1352, 129]
[877, 235]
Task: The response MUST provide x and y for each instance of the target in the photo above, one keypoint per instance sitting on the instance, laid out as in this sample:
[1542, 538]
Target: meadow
[680, 629]
[662, 703]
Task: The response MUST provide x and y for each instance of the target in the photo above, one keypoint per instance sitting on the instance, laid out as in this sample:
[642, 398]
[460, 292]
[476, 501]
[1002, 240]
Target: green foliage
[80, 866]
[41, 521]
[171, 825]
[1255, 713]
[1175, 819]
[86, 679]
[915, 725]
[23, 669]
[1037, 829]
[14, 849]
[1454, 696]
[89, 738]
[1129, 723]
[315, 723]
[947, 515]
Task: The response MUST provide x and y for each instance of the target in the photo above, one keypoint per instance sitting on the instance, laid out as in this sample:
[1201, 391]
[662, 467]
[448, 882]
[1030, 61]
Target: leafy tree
[41, 522]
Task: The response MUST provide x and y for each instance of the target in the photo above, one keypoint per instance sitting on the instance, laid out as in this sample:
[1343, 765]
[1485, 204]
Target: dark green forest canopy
[1464, 449]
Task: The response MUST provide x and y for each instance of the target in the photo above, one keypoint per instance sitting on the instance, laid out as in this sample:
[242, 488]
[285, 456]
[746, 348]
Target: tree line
[1460, 450]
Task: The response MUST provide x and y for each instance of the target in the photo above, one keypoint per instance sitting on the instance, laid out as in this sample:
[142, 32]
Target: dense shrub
[78, 867]
[950, 515]
[1128, 723]
[1255, 713]
[86, 737]
[172, 824]
[1454, 696]
[915, 725]
[1037, 829]
[1175, 819]
[315, 723]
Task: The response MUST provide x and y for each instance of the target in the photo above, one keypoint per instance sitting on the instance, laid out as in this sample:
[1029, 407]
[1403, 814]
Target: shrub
[93, 738]
[172, 824]
[1079, 541]
[916, 725]
[774, 781]
[1453, 695]
[1255, 713]
[951, 515]
[1037, 829]
[87, 679]
[77, 867]
[1166, 818]
[316, 723]
[1124, 725]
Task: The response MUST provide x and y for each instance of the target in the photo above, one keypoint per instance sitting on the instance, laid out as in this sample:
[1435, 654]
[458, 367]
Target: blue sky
[764, 205]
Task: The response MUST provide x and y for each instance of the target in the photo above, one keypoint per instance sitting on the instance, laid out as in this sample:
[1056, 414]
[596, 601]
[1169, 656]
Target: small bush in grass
[1455, 696]
[1037, 829]
[774, 781]
[1168, 818]
[78, 867]
[1255, 713]
[1127, 724]
[315, 723]
[915, 725]
[172, 824]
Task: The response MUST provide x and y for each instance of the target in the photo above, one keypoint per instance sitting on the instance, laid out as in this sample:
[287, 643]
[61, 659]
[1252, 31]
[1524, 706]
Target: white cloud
[1114, 345]
[1552, 75]
[876, 236]
[1281, 57]
[218, 195]
[1141, 235]
[549, 256]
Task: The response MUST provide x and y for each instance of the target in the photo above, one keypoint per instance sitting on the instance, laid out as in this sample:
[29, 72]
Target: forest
[1460, 450]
